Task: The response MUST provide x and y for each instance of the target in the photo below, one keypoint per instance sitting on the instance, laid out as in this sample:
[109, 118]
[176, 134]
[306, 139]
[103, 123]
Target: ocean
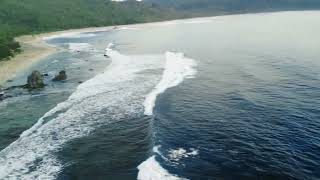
[228, 97]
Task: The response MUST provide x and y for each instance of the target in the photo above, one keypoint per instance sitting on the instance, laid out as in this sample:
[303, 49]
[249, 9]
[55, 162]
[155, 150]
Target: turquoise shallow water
[251, 112]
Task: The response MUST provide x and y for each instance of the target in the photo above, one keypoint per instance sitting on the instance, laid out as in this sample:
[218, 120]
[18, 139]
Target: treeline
[8, 47]
[239, 5]
[20, 17]
[196, 8]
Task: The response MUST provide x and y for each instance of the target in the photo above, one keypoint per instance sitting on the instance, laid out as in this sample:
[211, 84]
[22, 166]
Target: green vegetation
[8, 47]
[196, 8]
[19, 17]
[239, 5]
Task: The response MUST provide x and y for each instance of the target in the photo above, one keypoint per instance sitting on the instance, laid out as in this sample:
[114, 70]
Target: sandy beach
[34, 48]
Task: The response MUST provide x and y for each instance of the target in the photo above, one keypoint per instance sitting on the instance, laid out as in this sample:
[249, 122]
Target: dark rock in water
[1, 96]
[45, 74]
[35, 81]
[91, 69]
[61, 76]
[4, 96]
[80, 82]
[9, 80]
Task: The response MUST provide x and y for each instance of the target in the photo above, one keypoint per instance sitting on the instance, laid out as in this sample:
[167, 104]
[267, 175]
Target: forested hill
[239, 5]
[19, 17]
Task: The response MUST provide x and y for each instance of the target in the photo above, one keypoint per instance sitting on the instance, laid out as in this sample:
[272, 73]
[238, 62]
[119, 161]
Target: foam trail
[177, 68]
[116, 94]
[151, 170]
[79, 47]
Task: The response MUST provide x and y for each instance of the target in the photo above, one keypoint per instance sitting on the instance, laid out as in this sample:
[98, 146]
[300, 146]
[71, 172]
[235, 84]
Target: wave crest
[177, 68]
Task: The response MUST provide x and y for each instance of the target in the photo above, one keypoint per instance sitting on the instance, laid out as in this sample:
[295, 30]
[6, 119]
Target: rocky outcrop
[35, 80]
[61, 76]
[1, 95]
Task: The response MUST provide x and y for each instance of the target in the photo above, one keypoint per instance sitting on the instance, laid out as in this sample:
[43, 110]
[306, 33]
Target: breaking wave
[177, 68]
[116, 94]
[74, 47]
[152, 170]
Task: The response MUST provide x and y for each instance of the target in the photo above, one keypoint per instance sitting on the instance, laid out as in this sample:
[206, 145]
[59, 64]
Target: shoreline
[34, 47]
[33, 50]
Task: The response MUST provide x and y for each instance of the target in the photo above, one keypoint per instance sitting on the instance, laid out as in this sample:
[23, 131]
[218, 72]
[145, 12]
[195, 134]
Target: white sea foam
[116, 94]
[177, 68]
[80, 47]
[177, 154]
[152, 170]
[157, 151]
[55, 61]
[108, 49]
[128, 28]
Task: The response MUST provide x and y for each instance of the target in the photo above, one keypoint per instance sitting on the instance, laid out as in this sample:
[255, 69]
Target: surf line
[33, 155]
[177, 69]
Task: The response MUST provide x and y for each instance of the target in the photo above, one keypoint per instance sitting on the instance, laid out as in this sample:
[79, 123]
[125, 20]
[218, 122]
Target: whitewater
[177, 68]
[121, 91]
[250, 113]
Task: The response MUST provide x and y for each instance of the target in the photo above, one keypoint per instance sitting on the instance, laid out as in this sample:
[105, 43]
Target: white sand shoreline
[35, 48]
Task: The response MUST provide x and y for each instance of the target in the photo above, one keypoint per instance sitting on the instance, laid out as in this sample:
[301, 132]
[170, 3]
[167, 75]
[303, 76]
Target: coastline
[44, 130]
[34, 47]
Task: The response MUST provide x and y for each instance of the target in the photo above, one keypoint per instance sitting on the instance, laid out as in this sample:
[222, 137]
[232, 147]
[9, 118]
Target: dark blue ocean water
[251, 111]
